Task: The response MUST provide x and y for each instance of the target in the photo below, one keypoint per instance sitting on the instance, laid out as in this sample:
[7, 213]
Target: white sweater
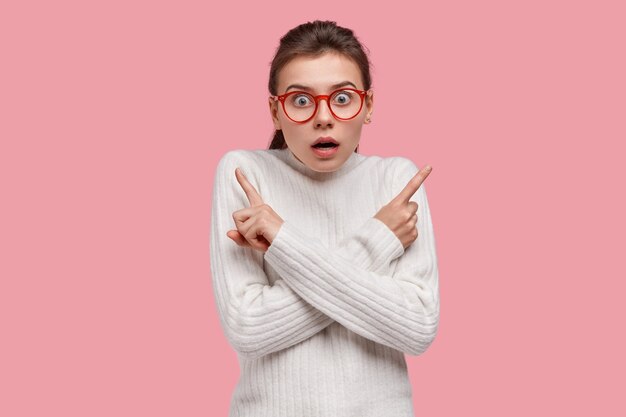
[322, 319]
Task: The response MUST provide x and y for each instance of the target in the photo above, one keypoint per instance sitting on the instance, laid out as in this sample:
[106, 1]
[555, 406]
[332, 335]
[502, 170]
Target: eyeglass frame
[282, 97]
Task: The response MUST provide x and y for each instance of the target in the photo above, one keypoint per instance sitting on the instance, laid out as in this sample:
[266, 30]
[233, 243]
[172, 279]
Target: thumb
[237, 237]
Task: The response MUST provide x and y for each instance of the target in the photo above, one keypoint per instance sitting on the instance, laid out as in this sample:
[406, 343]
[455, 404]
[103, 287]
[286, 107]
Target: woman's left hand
[256, 225]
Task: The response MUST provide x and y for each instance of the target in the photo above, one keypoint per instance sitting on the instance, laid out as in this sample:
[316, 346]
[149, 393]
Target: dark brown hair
[314, 39]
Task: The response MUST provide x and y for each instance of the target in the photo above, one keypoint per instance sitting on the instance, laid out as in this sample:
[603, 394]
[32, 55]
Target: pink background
[114, 114]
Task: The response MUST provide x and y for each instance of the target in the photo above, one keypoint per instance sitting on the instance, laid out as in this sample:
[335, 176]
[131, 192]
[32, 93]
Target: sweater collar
[347, 166]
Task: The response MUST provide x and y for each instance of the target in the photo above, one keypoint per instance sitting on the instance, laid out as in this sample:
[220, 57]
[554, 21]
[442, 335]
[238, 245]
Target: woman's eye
[343, 97]
[301, 100]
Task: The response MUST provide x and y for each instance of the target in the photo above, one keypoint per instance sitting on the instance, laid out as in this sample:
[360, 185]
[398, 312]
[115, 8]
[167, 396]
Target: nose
[323, 116]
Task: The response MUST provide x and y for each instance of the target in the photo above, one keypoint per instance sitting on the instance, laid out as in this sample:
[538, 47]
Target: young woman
[323, 260]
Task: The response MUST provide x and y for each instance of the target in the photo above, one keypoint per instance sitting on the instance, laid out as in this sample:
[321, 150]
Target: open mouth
[325, 145]
[325, 149]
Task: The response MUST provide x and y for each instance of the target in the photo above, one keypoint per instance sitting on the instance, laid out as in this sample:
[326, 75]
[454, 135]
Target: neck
[304, 169]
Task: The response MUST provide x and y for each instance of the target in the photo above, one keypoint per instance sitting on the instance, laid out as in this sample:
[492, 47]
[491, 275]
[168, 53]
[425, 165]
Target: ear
[274, 113]
[369, 104]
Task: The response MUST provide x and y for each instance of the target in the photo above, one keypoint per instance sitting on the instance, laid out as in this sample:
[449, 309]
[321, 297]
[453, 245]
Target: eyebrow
[304, 87]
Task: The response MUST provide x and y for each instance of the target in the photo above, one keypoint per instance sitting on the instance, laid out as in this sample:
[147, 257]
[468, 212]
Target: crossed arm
[319, 285]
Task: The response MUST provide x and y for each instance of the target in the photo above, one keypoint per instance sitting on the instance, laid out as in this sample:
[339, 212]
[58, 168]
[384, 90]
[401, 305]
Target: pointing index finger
[414, 184]
[253, 196]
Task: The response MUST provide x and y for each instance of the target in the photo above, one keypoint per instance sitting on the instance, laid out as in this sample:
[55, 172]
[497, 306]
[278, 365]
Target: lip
[325, 139]
[325, 153]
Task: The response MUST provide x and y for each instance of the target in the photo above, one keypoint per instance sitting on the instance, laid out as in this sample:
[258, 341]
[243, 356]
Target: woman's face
[319, 74]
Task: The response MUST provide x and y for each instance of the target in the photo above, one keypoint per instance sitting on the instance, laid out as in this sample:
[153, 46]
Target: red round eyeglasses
[301, 112]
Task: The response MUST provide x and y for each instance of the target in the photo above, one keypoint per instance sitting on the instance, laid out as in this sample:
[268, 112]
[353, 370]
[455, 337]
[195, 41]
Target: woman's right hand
[400, 214]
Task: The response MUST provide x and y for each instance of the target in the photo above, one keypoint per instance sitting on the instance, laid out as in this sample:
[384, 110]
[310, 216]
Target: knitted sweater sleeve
[259, 318]
[400, 309]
